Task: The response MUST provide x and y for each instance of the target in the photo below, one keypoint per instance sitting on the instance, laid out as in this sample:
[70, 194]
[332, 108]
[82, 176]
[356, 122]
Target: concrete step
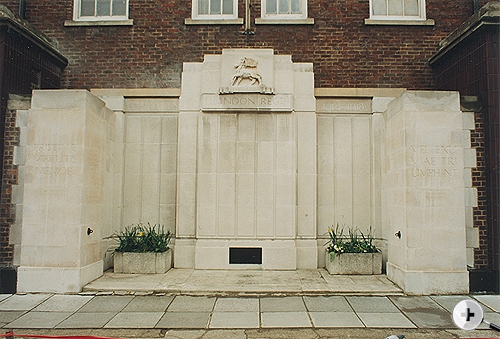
[242, 283]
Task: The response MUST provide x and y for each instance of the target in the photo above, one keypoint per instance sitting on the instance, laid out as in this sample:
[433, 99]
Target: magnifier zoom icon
[468, 315]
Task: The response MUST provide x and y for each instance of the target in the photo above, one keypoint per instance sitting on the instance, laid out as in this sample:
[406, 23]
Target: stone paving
[160, 311]
[241, 304]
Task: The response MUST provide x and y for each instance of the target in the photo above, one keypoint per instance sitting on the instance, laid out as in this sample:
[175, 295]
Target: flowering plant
[141, 238]
[354, 243]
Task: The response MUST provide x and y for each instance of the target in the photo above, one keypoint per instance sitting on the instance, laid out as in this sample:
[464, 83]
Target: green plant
[354, 243]
[142, 238]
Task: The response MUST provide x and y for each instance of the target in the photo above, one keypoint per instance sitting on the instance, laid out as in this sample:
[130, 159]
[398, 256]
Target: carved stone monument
[248, 165]
[239, 170]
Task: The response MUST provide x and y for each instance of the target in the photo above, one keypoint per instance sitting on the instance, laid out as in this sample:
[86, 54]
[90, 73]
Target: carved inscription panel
[247, 102]
[343, 105]
[53, 159]
[439, 161]
[164, 105]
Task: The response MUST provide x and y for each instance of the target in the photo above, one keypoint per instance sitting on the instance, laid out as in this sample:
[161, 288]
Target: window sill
[71, 23]
[428, 22]
[238, 21]
[262, 21]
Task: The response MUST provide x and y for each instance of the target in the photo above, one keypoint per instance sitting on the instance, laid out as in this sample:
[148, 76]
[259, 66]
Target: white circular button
[468, 314]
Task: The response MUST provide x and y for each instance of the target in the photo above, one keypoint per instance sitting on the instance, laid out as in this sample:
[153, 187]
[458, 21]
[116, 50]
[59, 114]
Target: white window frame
[421, 17]
[196, 16]
[78, 17]
[284, 16]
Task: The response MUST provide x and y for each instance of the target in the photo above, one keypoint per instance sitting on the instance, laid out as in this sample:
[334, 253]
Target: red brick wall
[472, 68]
[479, 182]
[9, 178]
[345, 52]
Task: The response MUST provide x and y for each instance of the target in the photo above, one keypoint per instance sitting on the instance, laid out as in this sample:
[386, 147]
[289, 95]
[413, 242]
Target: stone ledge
[137, 92]
[76, 23]
[238, 21]
[261, 21]
[375, 22]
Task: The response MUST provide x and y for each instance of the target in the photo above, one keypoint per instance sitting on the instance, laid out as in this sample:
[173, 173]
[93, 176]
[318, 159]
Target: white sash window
[284, 9]
[397, 9]
[215, 9]
[101, 10]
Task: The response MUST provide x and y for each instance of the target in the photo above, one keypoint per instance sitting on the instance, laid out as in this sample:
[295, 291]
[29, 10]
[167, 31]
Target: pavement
[182, 312]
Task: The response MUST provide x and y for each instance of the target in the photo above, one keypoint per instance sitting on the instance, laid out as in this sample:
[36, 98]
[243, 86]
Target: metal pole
[247, 31]
[22, 8]
[475, 4]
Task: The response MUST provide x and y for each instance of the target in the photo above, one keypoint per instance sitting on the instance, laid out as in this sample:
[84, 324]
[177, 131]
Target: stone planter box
[142, 263]
[354, 263]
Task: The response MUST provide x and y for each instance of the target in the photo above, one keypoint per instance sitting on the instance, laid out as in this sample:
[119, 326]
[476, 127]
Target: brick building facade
[345, 51]
[347, 47]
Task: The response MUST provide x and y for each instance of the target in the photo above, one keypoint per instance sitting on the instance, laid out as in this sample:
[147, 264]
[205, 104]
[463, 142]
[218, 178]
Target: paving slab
[235, 320]
[184, 334]
[385, 320]
[371, 304]
[184, 303]
[39, 320]
[106, 304]
[431, 319]
[412, 303]
[4, 296]
[237, 305]
[492, 301]
[449, 302]
[87, 320]
[22, 302]
[424, 312]
[225, 334]
[490, 317]
[148, 304]
[9, 316]
[135, 320]
[335, 319]
[63, 303]
[189, 320]
[282, 304]
[327, 304]
[285, 319]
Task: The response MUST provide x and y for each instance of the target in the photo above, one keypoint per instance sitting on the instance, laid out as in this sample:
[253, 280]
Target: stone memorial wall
[247, 158]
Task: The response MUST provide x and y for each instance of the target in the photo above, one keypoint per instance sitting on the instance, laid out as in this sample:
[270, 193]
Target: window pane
[379, 7]
[88, 8]
[296, 6]
[103, 8]
[227, 7]
[215, 6]
[411, 7]
[395, 7]
[202, 6]
[119, 7]
[283, 7]
[271, 6]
